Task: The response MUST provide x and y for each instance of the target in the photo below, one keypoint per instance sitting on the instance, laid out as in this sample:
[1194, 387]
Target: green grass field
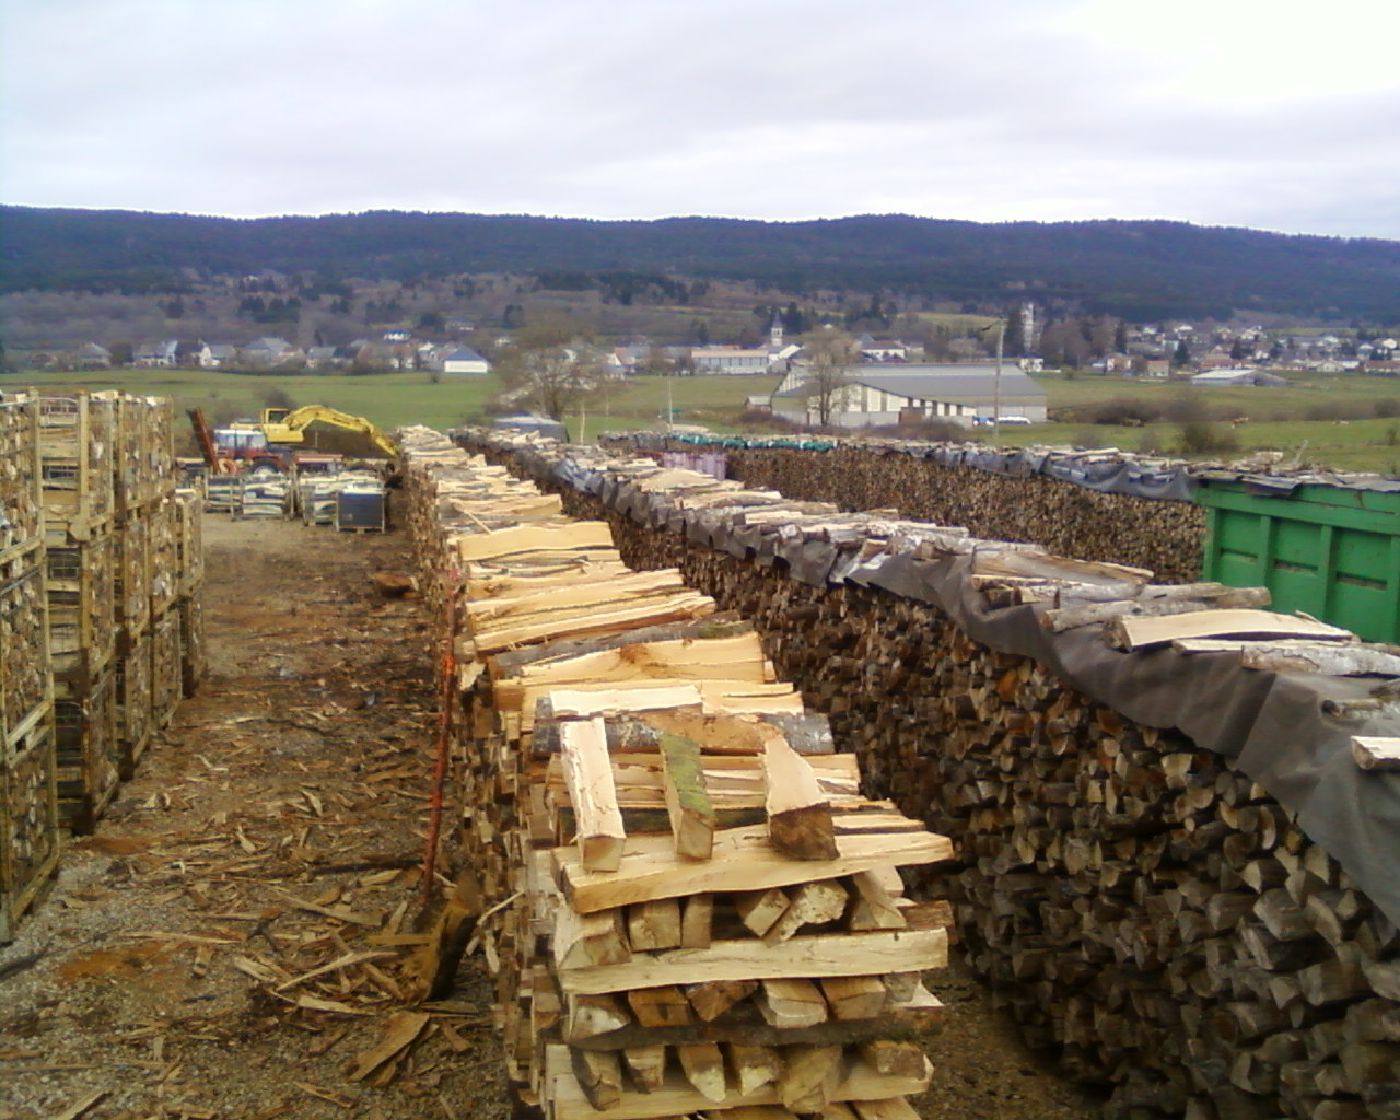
[1277, 418]
[1317, 419]
[388, 399]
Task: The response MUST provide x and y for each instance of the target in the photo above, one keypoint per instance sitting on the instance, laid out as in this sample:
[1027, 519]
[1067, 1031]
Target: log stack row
[1141, 904]
[1069, 520]
[28, 806]
[79, 439]
[117, 570]
[691, 907]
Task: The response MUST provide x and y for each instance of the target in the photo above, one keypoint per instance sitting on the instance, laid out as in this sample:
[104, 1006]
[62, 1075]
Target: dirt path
[275, 829]
[169, 939]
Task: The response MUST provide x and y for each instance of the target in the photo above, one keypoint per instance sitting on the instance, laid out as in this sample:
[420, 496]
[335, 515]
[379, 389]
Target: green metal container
[1330, 551]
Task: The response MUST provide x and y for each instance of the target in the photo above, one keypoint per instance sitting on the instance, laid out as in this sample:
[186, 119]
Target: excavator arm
[290, 428]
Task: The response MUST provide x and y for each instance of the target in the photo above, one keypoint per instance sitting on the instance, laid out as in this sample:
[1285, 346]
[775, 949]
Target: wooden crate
[89, 758]
[25, 682]
[82, 616]
[189, 507]
[77, 440]
[165, 555]
[134, 723]
[167, 677]
[21, 511]
[194, 660]
[28, 824]
[133, 572]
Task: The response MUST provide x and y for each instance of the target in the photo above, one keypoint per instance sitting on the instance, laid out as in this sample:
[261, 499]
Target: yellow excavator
[329, 429]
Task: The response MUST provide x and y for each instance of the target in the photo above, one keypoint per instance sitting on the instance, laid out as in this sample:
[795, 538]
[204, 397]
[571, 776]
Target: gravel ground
[273, 830]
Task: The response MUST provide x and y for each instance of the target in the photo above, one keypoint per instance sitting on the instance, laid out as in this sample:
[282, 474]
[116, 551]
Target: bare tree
[551, 365]
[830, 353]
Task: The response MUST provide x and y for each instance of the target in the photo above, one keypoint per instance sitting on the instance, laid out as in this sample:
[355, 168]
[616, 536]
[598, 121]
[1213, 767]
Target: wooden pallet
[166, 668]
[77, 439]
[194, 660]
[134, 711]
[29, 841]
[25, 684]
[89, 756]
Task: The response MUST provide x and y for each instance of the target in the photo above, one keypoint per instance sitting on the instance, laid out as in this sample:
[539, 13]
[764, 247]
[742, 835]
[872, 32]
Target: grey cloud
[778, 109]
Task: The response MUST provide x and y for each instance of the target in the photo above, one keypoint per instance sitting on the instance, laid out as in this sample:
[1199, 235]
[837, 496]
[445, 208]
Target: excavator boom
[290, 427]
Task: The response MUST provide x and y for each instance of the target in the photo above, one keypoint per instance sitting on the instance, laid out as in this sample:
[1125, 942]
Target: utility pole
[670, 403]
[996, 386]
[996, 381]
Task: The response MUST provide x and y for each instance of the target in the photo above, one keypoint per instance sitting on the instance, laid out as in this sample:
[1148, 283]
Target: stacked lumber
[1136, 900]
[693, 906]
[28, 811]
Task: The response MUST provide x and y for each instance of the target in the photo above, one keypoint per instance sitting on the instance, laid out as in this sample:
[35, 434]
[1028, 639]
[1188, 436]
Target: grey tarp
[1273, 727]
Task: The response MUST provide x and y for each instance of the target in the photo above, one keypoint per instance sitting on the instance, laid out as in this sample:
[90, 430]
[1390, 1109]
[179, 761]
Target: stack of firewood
[147, 529]
[692, 905]
[77, 438]
[1136, 900]
[1070, 520]
[28, 809]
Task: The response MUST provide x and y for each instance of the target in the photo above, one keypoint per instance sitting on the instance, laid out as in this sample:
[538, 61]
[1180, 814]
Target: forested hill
[1139, 269]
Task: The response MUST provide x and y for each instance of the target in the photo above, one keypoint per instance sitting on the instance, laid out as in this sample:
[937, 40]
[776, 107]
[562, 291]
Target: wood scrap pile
[692, 906]
[1136, 900]
[28, 809]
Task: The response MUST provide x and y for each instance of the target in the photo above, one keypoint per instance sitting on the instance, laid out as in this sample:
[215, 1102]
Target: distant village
[887, 380]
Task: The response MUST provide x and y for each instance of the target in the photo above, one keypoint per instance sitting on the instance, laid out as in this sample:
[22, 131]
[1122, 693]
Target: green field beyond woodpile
[1344, 422]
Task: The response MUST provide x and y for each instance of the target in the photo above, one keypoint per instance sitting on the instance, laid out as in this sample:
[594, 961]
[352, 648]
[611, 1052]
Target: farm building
[875, 395]
[1237, 377]
[465, 361]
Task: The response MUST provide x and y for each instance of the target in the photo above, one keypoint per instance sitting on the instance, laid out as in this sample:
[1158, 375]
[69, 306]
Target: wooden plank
[1331, 659]
[1376, 752]
[1141, 633]
[799, 812]
[580, 592]
[688, 803]
[677, 1097]
[534, 538]
[628, 613]
[741, 860]
[588, 771]
[816, 957]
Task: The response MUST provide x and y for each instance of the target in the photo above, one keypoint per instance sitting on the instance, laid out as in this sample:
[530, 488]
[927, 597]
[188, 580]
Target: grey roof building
[872, 396]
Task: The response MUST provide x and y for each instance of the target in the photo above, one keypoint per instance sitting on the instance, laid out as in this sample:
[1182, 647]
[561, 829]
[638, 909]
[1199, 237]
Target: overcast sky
[1275, 114]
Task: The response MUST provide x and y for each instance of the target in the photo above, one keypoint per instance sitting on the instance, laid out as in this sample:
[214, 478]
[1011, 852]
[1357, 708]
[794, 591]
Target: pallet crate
[144, 469]
[89, 757]
[189, 508]
[133, 581]
[21, 508]
[77, 439]
[28, 823]
[134, 724]
[167, 676]
[25, 682]
[82, 617]
[360, 508]
[193, 658]
[165, 555]
[222, 493]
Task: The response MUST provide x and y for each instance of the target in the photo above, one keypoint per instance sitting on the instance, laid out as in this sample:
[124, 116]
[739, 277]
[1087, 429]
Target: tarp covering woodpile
[692, 908]
[1175, 810]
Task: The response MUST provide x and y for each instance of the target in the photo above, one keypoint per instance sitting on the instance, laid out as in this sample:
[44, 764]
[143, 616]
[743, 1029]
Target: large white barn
[875, 395]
